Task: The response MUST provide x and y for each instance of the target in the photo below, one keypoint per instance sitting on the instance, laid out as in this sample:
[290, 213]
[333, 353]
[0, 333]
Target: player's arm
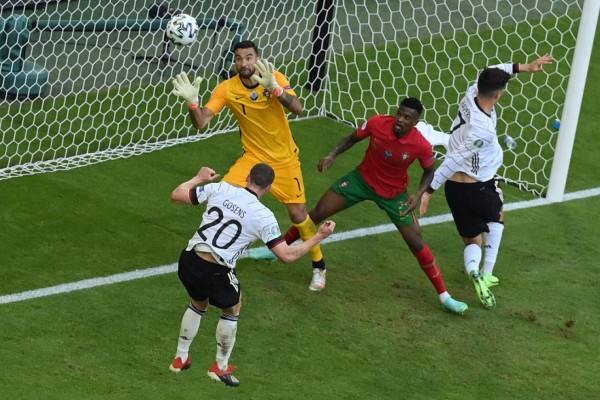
[187, 91]
[289, 254]
[426, 178]
[433, 136]
[346, 143]
[268, 80]
[290, 102]
[182, 194]
[537, 65]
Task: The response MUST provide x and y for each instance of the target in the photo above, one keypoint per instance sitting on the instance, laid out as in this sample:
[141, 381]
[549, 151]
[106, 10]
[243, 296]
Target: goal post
[573, 99]
[103, 94]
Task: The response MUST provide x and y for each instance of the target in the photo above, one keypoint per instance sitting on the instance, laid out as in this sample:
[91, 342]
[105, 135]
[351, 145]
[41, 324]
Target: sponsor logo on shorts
[344, 184]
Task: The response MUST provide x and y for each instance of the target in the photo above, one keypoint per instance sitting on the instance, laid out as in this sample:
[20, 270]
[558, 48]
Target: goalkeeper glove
[186, 90]
[267, 76]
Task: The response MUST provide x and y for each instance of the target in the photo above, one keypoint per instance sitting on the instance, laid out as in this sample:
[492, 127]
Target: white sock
[444, 296]
[226, 330]
[472, 256]
[491, 242]
[190, 323]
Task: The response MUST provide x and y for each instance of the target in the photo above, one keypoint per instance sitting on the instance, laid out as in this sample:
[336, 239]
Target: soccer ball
[182, 29]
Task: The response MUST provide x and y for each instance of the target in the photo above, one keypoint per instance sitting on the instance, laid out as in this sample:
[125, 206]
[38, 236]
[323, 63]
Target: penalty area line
[336, 237]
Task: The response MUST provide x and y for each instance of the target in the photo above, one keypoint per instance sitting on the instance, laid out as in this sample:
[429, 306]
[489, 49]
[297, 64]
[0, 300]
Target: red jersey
[387, 158]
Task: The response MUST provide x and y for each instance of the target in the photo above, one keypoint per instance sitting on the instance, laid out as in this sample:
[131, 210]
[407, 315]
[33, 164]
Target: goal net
[83, 82]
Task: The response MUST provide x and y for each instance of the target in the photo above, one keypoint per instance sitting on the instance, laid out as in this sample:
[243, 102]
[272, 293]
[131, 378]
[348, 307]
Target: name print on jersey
[234, 208]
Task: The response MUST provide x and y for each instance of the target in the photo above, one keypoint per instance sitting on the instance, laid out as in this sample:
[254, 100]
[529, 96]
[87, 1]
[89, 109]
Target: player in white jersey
[468, 172]
[234, 218]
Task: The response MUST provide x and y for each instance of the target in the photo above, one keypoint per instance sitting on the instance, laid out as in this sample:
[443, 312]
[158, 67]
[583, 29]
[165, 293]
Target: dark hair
[246, 44]
[262, 175]
[414, 103]
[492, 80]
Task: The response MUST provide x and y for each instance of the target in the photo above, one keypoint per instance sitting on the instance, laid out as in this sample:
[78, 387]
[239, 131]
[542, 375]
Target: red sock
[291, 235]
[430, 267]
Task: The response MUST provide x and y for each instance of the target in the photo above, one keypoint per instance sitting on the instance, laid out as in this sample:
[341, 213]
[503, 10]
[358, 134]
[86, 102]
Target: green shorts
[355, 189]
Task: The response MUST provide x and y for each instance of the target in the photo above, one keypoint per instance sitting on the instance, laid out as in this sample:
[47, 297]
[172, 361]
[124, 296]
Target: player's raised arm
[266, 77]
[181, 194]
[537, 65]
[187, 91]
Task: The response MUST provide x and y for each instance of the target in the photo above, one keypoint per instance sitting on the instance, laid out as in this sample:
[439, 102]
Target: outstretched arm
[289, 254]
[537, 65]
[267, 79]
[346, 143]
[187, 91]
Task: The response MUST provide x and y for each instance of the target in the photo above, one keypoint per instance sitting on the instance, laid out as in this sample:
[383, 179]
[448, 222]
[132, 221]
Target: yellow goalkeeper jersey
[263, 122]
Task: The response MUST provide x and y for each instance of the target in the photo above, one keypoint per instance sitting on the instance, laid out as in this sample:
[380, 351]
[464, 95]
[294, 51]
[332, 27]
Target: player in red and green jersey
[258, 97]
[394, 144]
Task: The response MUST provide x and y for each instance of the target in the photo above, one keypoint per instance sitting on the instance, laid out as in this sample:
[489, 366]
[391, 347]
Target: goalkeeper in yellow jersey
[258, 96]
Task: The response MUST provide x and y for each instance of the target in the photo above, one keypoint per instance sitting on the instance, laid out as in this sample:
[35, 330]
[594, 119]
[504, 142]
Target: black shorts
[474, 205]
[205, 280]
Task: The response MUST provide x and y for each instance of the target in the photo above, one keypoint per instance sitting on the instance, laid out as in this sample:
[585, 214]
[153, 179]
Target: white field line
[165, 269]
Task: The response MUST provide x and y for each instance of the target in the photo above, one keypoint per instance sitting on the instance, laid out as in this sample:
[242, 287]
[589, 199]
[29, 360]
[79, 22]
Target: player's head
[407, 116]
[261, 176]
[245, 55]
[492, 82]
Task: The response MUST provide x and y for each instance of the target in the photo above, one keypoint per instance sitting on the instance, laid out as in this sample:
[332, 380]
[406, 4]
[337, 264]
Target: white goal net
[85, 81]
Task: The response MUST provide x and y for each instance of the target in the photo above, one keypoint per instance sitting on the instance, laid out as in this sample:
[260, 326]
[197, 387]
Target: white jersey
[473, 147]
[233, 220]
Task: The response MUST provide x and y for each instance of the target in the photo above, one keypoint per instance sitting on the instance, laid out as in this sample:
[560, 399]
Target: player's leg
[409, 228]
[190, 266]
[468, 210]
[288, 188]
[190, 324]
[492, 241]
[227, 296]
[493, 237]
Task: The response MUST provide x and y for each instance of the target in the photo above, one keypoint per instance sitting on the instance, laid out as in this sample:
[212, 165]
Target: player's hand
[424, 204]
[326, 228]
[267, 75]
[325, 163]
[207, 174]
[411, 205]
[183, 88]
[538, 65]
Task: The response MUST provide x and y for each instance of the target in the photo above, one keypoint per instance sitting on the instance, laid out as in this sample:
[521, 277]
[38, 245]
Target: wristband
[278, 91]
[429, 190]
[193, 106]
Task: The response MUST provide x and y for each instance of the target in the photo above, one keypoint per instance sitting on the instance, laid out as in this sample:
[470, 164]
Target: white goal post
[83, 82]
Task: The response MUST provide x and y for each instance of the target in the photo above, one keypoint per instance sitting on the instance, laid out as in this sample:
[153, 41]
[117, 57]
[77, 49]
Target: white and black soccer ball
[182, 29]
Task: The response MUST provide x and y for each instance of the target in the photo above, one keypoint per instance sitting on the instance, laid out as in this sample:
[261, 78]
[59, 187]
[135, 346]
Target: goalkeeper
[258, 96]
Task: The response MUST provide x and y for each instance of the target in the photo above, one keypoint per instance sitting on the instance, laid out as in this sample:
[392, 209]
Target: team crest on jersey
[388, 154]
[478, 144]
[267, 94]
[254, 96]
[344, 184]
